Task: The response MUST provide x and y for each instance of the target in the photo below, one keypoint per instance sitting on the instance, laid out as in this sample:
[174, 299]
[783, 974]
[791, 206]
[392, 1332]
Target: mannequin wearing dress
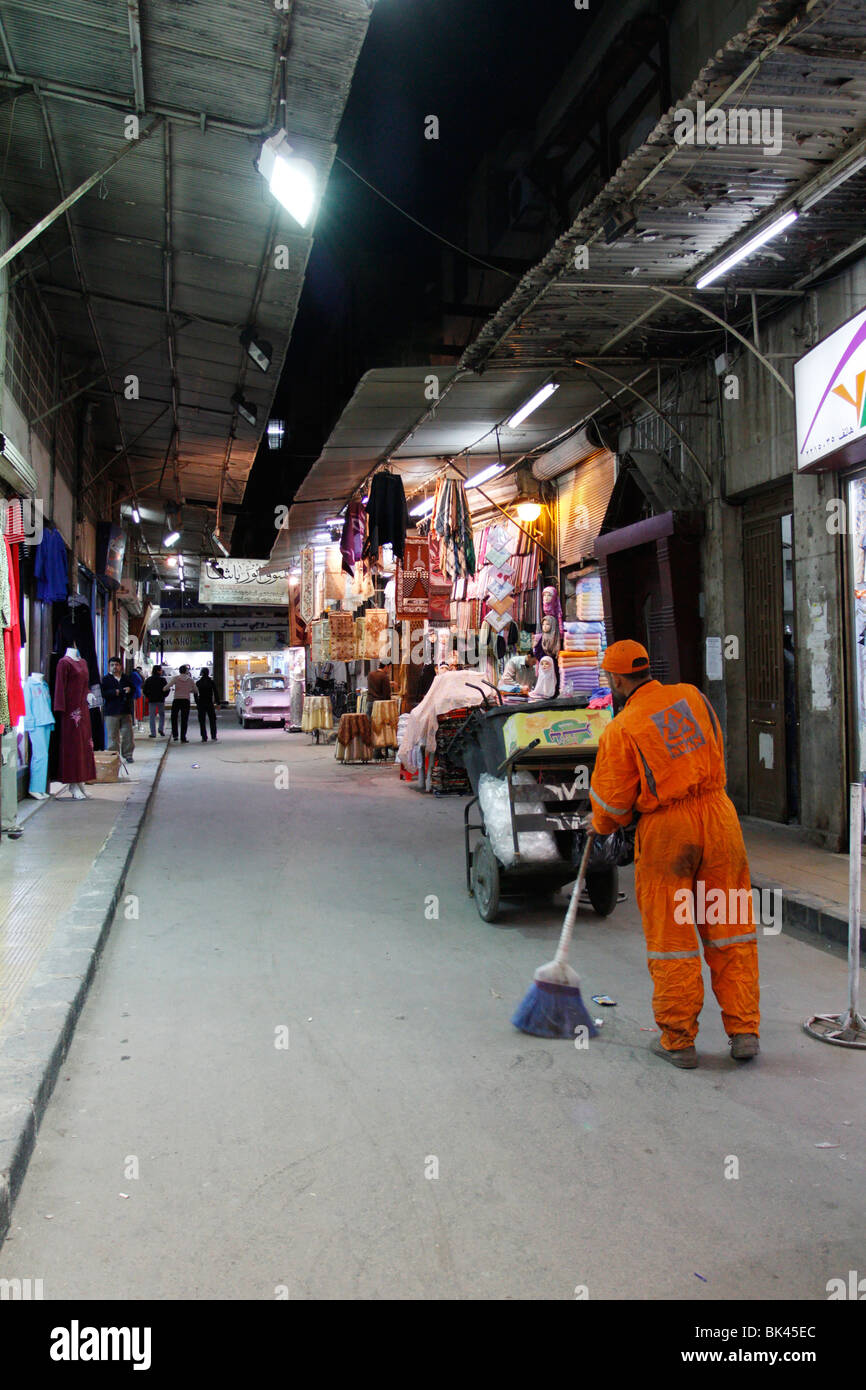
[77, 764]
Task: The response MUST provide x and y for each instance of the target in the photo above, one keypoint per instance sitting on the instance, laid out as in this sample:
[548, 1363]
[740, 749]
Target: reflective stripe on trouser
[697, 840]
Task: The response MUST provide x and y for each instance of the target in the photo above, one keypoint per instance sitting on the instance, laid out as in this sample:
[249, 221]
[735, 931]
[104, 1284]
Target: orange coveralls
[663, 756]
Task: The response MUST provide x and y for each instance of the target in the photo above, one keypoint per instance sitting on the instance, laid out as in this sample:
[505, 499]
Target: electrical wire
[461, 251]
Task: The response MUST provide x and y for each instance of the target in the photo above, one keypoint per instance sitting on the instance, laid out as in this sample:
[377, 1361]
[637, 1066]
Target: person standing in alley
[155, 690]
[662, 756]
[206, 704]
[183, 686]
[118, 694]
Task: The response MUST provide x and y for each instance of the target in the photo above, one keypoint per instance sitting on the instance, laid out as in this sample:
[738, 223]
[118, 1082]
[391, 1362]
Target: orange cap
[626, 659]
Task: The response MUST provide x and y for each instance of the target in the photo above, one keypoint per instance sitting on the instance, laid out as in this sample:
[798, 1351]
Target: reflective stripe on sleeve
[611, 810]
[671, 955]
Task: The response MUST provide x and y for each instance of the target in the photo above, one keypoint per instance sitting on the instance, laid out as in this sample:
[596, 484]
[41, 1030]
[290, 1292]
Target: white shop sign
[240, 581]
[830, 400]
[256, 641]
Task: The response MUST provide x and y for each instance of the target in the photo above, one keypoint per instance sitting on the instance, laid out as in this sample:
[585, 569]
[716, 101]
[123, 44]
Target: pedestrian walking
[206, 704]
[662, 756]
[183, 686]
[155, 690]
[118, 695]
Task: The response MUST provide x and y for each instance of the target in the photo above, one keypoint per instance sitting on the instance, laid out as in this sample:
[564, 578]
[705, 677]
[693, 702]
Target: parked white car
[263, 698]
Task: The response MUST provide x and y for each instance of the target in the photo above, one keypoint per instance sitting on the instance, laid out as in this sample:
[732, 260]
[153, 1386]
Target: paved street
[263, 908]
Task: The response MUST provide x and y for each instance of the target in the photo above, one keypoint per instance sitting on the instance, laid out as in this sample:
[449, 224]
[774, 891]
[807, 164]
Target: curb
[40, 1028]
[811, 914]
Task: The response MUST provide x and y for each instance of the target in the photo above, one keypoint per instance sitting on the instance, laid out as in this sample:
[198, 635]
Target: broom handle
[571, 915]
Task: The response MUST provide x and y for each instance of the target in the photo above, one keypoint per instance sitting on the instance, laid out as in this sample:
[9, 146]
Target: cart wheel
[603, 890]
[485, 881]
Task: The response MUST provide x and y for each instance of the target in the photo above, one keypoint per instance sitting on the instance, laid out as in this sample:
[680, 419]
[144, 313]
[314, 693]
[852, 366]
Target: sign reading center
[831, 401]
[240, 581]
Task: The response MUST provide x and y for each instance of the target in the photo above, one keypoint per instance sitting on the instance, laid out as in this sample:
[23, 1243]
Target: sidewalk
[59, 886]
[813, 882]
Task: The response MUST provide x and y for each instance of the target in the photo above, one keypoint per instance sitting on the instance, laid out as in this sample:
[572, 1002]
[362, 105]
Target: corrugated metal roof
[691, 201]
[221, 58]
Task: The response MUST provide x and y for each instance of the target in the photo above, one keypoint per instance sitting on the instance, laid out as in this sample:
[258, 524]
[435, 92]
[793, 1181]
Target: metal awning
[390, 419]
[692, 203]
[155, 272]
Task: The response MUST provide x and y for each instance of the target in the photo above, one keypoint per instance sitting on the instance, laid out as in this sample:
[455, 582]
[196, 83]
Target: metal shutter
[583, 496]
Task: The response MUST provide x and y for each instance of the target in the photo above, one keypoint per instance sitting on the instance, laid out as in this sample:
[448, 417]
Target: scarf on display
[452, 523]
[352, 539]
[308, 584]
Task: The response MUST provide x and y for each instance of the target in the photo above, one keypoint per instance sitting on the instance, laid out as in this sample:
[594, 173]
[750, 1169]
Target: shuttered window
[583, 497]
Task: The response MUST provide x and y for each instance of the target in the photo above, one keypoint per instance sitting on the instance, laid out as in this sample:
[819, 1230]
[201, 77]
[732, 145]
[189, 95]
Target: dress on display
[77, 763]
[38, 721]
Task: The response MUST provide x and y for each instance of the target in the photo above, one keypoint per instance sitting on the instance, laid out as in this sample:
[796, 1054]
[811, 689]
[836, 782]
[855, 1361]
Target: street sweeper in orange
[662, 757]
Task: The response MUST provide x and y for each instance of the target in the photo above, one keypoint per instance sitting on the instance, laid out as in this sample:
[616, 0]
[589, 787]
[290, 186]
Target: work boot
[744, 1046]
[685, 1057]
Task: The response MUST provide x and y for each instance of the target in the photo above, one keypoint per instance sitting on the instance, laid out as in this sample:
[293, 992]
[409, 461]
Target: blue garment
[37, 703]
[39, 738]
[52, 570]
[137, 684]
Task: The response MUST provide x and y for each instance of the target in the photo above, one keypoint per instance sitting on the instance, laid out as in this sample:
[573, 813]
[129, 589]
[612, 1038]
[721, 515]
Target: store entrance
[770, 660]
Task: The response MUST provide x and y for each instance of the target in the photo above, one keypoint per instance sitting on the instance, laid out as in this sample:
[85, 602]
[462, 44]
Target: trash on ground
[604, 999]
[826, 1146]
[702, 1277]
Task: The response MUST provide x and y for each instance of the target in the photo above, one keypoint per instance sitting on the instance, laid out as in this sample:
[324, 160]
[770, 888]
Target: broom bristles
[553, 1011]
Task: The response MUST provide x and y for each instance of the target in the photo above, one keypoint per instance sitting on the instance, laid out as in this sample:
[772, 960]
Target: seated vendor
[519, 675]
[379, 683]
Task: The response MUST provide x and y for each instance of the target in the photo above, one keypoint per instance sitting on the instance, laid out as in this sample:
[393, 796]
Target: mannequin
[38, 721]
[77, 764]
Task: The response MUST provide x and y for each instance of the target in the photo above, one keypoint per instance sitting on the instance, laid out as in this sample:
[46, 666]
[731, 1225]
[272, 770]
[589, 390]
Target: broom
[552, 1007]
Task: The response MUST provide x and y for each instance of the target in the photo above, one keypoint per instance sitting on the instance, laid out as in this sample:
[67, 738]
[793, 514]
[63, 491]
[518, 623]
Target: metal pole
[854, 875]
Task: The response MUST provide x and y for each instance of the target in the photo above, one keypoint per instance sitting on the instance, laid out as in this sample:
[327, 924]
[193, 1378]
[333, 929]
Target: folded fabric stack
[589, 605]
[583, 643]
[447, 777]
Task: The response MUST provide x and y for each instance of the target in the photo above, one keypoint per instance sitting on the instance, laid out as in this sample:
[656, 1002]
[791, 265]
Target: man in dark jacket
[155, 690]
[206, 704]
[118, 694]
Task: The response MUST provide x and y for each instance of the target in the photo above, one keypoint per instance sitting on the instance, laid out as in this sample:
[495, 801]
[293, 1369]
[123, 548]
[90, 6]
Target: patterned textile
[375, 634]
[320, 642]
[448, 778]
[317, 713]
[335, 583]
[384, 723]
[342, 637]
[308, 584]
[413, 579]
[355, 726]
[439, 601]
[359, 639]
[451, 521]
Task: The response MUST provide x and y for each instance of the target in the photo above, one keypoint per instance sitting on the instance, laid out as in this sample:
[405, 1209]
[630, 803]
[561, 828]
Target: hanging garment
[387, 516]
[352, 539]
[450, 520]
[52, 568]
[12, 641]
[74, 628]
[70, 702]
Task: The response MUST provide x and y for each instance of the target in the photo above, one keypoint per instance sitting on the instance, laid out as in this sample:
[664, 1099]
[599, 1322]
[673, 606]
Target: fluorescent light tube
[136, 515]
[423, 508]
[172, 538]
[485, 475]
[736, 256]
[532, 404]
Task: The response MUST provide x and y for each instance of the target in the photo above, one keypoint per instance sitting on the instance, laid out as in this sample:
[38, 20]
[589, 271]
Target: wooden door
[764, 667]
